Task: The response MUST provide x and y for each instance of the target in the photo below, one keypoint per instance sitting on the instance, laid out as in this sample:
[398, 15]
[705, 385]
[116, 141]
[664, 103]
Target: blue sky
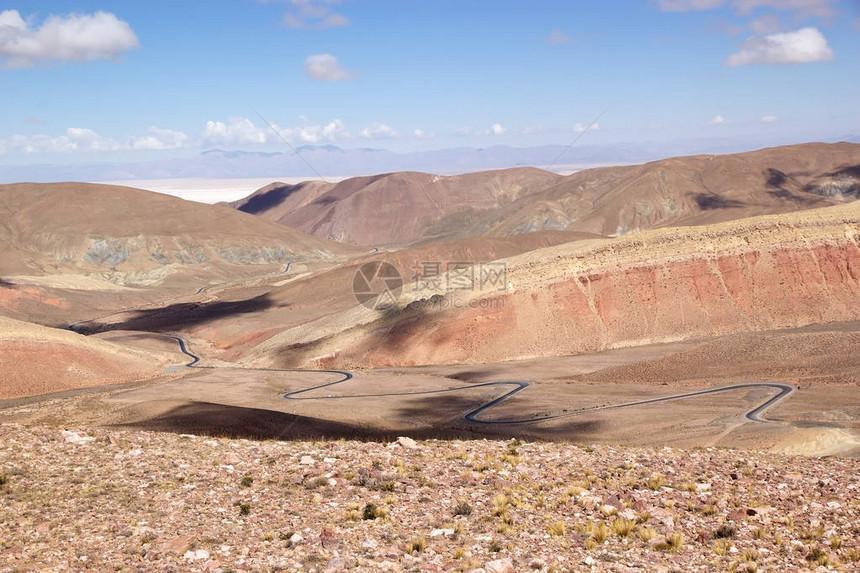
[109, 81]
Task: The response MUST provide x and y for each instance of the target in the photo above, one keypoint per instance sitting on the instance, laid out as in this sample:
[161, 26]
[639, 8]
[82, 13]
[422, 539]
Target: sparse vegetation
[622, 527]
[465, 520]
[722, 545]
[672, 543]
[645, 533]
[655, 482]
[372, 511]
[818, 556]
[462, 508]
[557, 529]
[416, 545]
[247, 481]
[725, 531]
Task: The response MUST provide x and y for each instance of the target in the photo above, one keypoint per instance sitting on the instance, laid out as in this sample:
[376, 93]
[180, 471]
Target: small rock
[296, 538]
[307, 461]
[175, 545]
[336, 564]
[369, 544]
[438, 532]
[499, 566]
[197, 555]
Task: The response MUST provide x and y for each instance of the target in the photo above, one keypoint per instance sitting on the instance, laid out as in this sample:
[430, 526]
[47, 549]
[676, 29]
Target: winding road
[753, 415]
[475, 416]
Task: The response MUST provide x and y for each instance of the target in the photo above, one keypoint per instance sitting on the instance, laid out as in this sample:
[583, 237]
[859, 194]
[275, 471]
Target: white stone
[307, 461]
[438, 532]
[407, 443]
[499, 566]
[198, 555]
[77, 438]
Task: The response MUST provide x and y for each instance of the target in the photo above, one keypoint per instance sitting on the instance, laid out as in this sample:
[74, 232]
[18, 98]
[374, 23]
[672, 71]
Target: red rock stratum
[763, 273]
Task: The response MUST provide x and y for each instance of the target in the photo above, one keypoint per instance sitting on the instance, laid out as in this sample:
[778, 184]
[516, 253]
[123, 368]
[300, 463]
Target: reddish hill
[395, 208]
[762, 273]
[40, 360]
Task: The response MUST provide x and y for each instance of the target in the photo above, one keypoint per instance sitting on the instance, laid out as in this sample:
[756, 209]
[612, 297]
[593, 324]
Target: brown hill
[395, 208]
[400, 208]
[694, 190]
[130, 236]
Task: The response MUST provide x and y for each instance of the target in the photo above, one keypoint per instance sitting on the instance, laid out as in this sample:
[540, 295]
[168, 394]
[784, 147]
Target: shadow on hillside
[473, 376]
[850, 171]
[449, 408]
[269, 199]
[776, 180]
[220, 420]
[708, 202]
[181, 316]
[5, 283]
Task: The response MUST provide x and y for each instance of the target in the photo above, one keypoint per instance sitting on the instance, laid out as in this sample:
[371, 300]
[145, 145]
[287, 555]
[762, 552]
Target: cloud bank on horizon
[135, 84]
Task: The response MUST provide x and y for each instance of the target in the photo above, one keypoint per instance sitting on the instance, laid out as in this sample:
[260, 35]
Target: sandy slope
[38, 360]
[136, 237]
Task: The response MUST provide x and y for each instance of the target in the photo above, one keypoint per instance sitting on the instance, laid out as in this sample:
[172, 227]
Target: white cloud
[326, 68]
[159, 139]
[767, 24]
[497, 129]
[73, 37]
[331, 132]
[769, 118]
[314, 15]
[688, 5]
[378, 131]
[558, 38]
[75, 139]
[799, 47]
[718, 120]
[803, 8]
[237, 131]
[241, 131]
[463, 131]
[580, 127]
[419, 133]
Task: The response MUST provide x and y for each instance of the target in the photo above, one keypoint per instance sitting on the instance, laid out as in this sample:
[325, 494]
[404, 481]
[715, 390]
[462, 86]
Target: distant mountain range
[334, 161]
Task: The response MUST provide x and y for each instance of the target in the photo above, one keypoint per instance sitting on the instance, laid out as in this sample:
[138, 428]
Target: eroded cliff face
[757, 274]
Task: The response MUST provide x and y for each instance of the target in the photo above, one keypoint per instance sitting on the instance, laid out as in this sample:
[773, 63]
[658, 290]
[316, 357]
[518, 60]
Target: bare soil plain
[689, 396]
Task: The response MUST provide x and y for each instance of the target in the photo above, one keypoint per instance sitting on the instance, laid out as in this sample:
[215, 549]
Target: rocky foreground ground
[135, 501]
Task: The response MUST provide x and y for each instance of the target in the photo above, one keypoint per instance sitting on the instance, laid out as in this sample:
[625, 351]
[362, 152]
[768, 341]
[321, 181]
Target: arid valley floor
[638, 368]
